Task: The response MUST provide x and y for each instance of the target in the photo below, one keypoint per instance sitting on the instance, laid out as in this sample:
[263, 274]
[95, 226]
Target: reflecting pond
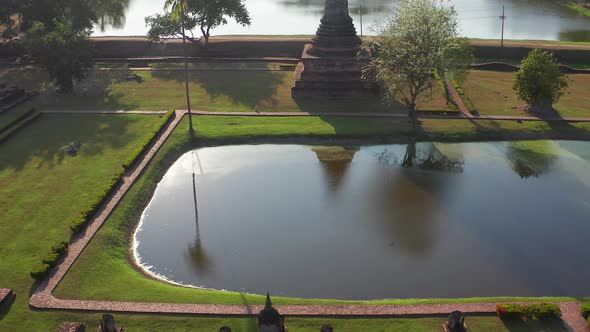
[370, 222]
[527, 19]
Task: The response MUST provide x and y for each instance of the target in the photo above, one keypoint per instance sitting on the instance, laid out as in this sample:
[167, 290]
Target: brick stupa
[330, 66]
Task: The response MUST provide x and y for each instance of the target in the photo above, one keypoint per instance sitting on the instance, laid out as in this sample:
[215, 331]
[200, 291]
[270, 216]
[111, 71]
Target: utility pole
[361, 14]
[188, 98]
[503, 19]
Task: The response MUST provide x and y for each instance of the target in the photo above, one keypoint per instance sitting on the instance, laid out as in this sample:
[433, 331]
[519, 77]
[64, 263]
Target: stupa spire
[336, 35]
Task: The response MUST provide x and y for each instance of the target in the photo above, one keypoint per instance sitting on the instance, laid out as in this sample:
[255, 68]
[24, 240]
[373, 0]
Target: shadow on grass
[248, 88]
[46, 138]
[94, 92]
[252, 324]
[547, 325]
[322, 107]
[363, 104]
[5, 309]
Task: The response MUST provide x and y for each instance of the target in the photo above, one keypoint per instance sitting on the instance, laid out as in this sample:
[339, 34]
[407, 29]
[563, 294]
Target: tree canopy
[539, 82]
[64, 51]
[202, 14]
[420, 37]
[57, 32]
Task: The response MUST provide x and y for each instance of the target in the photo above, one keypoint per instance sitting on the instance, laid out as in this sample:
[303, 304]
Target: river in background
[370, 222]
[527, 19]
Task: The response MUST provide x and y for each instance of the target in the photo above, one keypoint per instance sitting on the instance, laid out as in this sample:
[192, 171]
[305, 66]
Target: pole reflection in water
[197, 251]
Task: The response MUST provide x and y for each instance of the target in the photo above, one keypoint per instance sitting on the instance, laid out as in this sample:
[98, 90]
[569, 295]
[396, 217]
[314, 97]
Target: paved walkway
[464, 115]
[43, 297]
[148, 69]
[458, 100]
[103, 112]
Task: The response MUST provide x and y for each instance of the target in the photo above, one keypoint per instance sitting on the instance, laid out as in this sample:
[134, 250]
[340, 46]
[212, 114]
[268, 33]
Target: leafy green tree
[80, 13]
[202, 14]
[420, 37]
[539, 82]
[63, 51]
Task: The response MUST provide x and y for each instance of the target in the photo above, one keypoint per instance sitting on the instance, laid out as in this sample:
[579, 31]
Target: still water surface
[527, 19]
[382, 221]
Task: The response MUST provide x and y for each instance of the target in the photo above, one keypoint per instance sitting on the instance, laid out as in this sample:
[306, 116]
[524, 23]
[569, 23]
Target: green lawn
[42, 189]
[228, 91]
[491, 93]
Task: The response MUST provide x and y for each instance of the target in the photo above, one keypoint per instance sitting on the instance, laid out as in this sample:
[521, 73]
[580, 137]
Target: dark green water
[371, 222]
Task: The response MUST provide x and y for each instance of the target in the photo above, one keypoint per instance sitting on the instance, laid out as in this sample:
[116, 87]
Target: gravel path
[464, 115]
[103, 112]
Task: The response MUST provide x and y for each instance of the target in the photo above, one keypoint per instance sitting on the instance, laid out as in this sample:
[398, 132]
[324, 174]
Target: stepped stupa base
[329, 76]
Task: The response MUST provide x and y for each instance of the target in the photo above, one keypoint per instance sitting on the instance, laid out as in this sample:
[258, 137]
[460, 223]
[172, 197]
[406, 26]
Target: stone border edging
[42, 297]
[103, 112]
[462, 115]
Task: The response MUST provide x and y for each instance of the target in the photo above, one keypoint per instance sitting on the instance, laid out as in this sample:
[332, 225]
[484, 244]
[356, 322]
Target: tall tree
[65, 52]
[59, 31]
[202, 14]
[179, 7]
[539, 82]
[420, 37]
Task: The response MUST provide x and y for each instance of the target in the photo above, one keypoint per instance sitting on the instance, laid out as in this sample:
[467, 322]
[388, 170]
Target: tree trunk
[542, 108]
[191, 130]
[413, 115]
[410, 156]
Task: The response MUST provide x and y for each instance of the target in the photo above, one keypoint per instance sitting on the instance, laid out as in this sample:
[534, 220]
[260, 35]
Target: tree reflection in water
[530, 159]
[409, 199]
[111, 13]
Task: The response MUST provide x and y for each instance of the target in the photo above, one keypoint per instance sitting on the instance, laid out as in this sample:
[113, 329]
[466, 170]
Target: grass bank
[491, 93]
[40, 189]
[89, 280]
[227, 91]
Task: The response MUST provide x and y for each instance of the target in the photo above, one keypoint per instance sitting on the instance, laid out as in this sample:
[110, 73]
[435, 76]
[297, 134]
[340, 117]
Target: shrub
[78, 225]
[539, 81]
[586, 310]
[509, 311]
[138, 153]
[529, 311]
[41, 271]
